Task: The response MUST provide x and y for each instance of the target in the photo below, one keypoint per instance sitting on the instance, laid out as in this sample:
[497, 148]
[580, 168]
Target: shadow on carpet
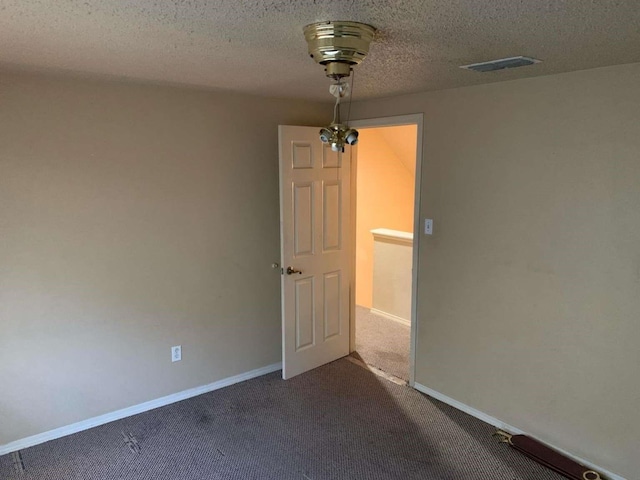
[382, 343]
[338, 421]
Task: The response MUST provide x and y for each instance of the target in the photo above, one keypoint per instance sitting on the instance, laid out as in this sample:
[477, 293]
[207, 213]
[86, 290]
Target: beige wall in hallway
[529, 289]
[133, 218]
[385, 194]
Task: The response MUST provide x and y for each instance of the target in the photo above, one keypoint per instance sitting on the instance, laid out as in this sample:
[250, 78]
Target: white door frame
[413, 119]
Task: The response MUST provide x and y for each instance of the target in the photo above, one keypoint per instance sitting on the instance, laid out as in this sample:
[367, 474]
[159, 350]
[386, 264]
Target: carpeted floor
[382, 343]
[337, 422]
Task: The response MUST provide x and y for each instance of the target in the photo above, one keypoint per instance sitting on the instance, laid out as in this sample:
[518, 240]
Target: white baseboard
[390, 316]
[135, 409]
[508, 428]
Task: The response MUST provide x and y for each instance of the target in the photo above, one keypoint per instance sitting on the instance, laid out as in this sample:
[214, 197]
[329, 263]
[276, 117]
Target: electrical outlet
[176, 353]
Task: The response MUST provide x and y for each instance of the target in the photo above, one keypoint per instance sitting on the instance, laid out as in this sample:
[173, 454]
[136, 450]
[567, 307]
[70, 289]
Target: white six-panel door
[314, 223]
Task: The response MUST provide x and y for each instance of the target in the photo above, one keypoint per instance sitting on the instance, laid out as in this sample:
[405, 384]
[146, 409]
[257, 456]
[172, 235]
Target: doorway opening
[385, 201]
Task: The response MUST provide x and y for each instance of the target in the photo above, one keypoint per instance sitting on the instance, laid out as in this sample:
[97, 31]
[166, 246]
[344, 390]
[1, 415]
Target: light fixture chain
[353, 78]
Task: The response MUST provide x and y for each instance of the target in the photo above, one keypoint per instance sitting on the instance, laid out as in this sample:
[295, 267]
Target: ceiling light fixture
[339, 46]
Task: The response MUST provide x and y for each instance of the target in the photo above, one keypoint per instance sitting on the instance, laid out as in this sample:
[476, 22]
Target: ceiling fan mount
[338, 45]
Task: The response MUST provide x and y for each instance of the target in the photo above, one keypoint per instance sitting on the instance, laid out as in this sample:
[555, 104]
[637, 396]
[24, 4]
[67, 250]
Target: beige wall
[133, 218]
[529, 289]
[385, 194]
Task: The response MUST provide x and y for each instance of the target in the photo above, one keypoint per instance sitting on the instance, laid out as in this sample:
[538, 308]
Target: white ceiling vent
[501, 64]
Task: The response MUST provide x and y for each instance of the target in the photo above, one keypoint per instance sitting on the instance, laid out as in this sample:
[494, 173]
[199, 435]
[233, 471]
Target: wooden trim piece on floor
[508, 428]
[133, 410]
[377, 371]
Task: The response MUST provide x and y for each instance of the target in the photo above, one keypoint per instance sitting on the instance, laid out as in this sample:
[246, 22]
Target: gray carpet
[337, 422]
[382, 343]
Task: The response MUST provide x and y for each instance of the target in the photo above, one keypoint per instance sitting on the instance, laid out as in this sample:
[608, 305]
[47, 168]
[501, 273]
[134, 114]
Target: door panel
[302, 155]
[332, 308]
[331, 227]
[314, 218]
[330, 159]
[305, 321]
[303, 203]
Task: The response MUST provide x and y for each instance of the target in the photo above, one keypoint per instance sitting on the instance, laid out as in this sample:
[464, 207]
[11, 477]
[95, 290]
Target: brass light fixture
[338, 46]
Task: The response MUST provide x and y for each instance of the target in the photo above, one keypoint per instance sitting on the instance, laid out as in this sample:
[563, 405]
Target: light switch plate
[428, 226]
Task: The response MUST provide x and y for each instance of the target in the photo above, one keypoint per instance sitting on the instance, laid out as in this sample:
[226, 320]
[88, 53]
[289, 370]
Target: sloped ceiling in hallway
[403, 142]
[257, 46]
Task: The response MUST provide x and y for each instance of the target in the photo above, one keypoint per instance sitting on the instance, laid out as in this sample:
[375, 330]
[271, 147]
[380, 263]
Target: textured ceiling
[257, 46]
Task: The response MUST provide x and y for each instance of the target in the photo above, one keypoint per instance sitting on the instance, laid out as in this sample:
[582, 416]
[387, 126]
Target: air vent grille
[501, 64]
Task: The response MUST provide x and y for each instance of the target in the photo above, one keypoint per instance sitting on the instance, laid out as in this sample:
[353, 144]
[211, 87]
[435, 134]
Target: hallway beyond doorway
[383, 343]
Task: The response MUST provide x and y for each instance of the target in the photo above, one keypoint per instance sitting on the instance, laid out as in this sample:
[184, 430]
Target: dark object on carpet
[548, 457]
[337, 422]
[383, 343]
[131, 442]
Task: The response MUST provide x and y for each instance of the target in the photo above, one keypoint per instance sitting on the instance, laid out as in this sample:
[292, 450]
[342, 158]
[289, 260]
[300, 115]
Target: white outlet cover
[176, 353]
